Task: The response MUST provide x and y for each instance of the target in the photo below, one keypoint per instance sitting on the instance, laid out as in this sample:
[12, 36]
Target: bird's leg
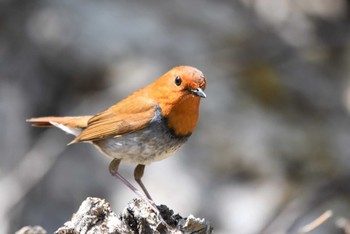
[113, 169]
[138, 173]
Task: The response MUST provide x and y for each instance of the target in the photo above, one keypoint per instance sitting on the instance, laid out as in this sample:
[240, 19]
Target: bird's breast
[183, 116]
[153, 143]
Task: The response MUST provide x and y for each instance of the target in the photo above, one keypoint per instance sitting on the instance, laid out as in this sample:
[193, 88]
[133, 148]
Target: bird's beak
[199, 92]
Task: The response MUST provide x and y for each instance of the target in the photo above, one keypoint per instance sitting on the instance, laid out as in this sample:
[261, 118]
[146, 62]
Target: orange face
[178, 93]
[179, 84]
[188, 80]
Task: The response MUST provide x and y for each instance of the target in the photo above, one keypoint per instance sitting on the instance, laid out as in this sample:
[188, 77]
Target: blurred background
[271, 152]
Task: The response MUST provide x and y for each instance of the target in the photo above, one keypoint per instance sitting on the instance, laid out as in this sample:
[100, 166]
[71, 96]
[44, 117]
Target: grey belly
[153, 143]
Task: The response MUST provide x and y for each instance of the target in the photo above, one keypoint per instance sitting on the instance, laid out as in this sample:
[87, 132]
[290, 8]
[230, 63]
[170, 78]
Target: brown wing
[129, 115]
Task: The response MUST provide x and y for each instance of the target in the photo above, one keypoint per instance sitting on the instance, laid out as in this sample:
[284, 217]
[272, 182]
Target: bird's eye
[178, 81]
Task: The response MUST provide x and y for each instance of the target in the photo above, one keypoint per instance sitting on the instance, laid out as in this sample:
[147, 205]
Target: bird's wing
[129, 115]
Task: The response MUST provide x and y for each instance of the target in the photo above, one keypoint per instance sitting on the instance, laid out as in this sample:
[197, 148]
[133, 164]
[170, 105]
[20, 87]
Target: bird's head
[183, 82]
[188, 80]
[178, 93]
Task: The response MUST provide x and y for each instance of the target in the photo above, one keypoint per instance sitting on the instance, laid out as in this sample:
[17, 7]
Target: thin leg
[113, 169]
[138, 173]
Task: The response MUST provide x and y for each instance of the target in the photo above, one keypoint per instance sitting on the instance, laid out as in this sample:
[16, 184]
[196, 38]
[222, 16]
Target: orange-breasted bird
[145, 127]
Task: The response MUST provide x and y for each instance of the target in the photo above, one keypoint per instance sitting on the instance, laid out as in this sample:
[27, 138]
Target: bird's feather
[69, 121]
[129, 115]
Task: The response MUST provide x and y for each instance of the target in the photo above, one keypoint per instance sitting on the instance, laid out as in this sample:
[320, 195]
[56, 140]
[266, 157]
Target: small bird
[147, 126]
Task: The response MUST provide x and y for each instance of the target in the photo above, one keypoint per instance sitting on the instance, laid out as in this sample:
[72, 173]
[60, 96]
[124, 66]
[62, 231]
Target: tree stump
[95, 216]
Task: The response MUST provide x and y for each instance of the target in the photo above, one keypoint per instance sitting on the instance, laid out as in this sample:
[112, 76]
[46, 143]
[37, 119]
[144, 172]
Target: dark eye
[178, 81]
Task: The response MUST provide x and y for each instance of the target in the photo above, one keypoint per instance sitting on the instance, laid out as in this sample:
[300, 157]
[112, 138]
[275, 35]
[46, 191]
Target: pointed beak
[199, 92]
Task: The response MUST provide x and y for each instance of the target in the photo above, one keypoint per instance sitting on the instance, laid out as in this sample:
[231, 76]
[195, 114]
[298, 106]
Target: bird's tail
[70, 125]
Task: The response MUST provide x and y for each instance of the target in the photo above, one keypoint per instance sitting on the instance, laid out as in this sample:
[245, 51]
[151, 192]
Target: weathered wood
[31, 230]
[96, 216]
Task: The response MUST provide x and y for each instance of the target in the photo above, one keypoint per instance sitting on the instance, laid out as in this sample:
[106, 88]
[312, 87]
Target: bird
[147, 126]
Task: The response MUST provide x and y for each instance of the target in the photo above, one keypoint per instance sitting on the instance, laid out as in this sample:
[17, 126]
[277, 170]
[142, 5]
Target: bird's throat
[182, 118]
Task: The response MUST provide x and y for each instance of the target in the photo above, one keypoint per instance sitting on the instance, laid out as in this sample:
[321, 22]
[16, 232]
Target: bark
[95, 216]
